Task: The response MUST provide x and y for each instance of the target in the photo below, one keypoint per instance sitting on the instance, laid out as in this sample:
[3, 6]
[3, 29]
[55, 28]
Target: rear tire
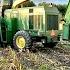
[21, 40]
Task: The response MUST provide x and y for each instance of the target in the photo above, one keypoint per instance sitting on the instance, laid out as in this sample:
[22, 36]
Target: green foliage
[28, 4]
[43, 67]
[44, 4]
[62, 9]
[5, 0]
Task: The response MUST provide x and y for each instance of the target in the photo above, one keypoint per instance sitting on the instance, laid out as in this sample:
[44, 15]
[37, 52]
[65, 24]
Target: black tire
[26, 36]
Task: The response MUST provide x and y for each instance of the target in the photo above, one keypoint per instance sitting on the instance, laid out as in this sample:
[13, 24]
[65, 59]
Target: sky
[51, 1]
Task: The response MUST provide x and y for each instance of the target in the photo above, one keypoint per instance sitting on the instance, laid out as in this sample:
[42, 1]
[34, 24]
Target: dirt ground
[48, 58]
[57, 58]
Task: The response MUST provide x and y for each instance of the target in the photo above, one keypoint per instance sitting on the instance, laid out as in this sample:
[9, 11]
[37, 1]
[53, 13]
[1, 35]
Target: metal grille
[35, 22]
[38, 22]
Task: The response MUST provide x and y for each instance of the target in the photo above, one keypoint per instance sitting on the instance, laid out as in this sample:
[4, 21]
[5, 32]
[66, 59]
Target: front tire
[21, 40]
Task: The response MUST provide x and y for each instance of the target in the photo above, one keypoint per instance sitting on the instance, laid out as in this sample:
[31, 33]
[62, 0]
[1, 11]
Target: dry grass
[9, 60]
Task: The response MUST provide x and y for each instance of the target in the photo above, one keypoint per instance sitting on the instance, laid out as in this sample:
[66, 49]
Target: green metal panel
[8, 30]
[67, 15]
[3, 29]
[66, 28]
[22, 23]
[9, 37]
[8, 25]
[14, 22]
[66, 31]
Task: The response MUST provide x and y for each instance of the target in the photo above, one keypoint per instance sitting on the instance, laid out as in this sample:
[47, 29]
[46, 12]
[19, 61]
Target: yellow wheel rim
[20, 42]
